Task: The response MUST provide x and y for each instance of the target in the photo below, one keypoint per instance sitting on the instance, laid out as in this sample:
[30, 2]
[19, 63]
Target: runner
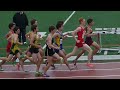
[50, 53]
[29, 50]
[34, 49]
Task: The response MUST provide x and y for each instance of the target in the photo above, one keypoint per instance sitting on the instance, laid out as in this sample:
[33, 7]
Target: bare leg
[20, 61]
[29, 58]
[3, 62]
[35, 58]
[7, 59]
[13, 60]
[50, 62]
[73, 52]
[96, 46]
[49, 58]
[39, 62]
[64, 51]
[83, 51]
[7, 54]
[89, 50]
[41, 51]
[64, 58]
[54, 61]
[4, 59]
[25, 58]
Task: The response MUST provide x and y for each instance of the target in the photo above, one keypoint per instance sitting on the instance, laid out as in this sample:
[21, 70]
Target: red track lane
[100, 71]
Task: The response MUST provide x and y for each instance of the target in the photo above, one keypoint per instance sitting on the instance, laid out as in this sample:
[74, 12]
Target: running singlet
[14, 48]
[58, 40]
[80, 35]
[29, 33]
[36, 41]
[9, 44]
[49, 51]
[89, 40]
[33, 48]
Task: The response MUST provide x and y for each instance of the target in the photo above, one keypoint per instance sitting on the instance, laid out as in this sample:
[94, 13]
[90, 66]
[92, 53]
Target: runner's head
[59, 25]
[16, 30]
[34, 22]
[34, 28]
[52, 29]
[11, 26]
[82, 21]
[90, 21]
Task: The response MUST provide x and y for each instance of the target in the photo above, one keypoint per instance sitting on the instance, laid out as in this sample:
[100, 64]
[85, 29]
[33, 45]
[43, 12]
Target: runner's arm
[88, 34]
[75, 32]
[32, 40]
[8, 34]
[49, 39]
[16, 40]
[8, 38]
[28, 36]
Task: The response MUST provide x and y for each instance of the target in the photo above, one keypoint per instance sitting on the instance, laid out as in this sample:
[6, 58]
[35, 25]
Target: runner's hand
[57, 48]
[78, 41]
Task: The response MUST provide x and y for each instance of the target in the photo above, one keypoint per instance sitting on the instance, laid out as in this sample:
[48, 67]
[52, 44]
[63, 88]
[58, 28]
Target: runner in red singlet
[9, 44]
[11, 27]
[80, 32]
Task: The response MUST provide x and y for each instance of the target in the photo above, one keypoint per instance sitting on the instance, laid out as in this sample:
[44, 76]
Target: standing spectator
[21, 21]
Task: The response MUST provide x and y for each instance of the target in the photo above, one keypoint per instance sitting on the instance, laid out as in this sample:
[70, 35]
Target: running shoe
[45, 75]
[38, 74]
[1, 69]
[90, 65]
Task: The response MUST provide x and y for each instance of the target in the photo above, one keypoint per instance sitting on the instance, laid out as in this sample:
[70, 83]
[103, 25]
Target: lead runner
[80, 32]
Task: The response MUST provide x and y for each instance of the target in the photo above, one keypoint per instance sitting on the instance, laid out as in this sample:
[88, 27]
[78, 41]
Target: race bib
[60, 41]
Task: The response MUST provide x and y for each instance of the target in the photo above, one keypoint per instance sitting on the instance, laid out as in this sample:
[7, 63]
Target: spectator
[21, 21]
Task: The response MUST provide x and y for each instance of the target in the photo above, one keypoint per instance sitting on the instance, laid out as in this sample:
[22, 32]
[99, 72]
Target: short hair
[33, 21]
[51, 28]
[80, 20]
[11, 25]
[33, 27]
[15, 29]
[89, 20]
[59, 24]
